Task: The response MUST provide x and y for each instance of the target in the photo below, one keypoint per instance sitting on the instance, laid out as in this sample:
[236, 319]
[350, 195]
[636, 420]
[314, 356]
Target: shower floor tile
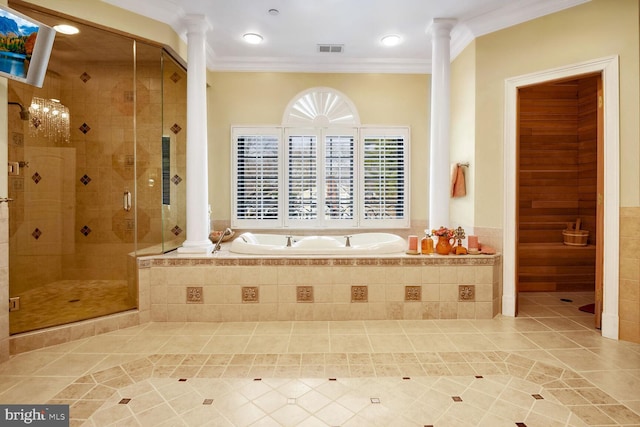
[67, 301]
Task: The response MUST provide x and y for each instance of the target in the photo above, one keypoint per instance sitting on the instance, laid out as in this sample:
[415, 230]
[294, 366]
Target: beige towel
[458, 186]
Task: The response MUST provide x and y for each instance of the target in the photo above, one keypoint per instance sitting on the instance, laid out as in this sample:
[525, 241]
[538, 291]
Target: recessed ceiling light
[66, 29]
[252, 38]
[274, 12]
[390, 40]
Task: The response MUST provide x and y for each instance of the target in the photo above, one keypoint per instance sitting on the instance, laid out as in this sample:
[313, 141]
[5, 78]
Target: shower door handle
[127, 201]
[5, 200]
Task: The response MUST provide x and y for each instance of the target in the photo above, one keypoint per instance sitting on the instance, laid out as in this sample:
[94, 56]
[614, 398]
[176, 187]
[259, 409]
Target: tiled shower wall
[629, 303]
[86, 233]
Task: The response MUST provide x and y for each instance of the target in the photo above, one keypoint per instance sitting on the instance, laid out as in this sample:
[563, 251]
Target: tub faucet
[347, 244]
[224, 234]
[289, 241]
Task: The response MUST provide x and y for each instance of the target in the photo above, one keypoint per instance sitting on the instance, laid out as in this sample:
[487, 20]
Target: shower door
[84, 206]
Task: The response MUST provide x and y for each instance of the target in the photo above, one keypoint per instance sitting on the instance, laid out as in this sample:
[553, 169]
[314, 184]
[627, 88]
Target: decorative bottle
[426, 244]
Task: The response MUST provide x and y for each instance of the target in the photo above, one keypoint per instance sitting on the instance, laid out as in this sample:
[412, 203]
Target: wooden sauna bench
[555, 267]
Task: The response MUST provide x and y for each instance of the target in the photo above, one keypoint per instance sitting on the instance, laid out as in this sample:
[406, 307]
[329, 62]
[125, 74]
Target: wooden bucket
[575, 237]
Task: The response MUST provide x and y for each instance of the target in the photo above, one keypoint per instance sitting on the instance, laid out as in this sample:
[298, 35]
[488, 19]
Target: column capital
[441, 26]
[196, 24]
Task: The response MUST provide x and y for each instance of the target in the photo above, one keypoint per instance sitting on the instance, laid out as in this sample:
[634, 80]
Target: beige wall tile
[466, 274]
[484, 274]
[629, 310]
[630, 289]
[629, 268]
[430, 275]
[484, 310]
[466, 310]
[448, 310]
[431, 292]
[430, 310]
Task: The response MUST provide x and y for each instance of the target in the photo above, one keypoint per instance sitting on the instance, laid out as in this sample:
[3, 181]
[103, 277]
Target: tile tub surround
[232, 288]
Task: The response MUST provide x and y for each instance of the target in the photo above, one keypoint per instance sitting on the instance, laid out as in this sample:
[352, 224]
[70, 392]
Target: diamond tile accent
[176, 179]
[85, 179]
[456, 398]
[84, 128]
[537, 396]
[176, 230]
[36, 233]
[375, 400]
[85, 230]
[250, 294]
[175, 128]
[36, 177]
[175, 77]
[194, 295]
[207, 402]
[124, 401]
[304, 293]
[413, 293]
[85, 77]
[466, 292]
[359, 293]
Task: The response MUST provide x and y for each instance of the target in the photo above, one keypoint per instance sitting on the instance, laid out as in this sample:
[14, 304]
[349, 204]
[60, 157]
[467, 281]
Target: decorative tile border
[164, 261]
[552, 381]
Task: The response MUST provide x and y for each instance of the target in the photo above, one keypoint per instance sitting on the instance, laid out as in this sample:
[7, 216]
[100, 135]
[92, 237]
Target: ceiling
[291, 37]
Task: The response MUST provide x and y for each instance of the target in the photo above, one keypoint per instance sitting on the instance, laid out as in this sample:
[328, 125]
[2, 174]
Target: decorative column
[439, 163]
[197, 171]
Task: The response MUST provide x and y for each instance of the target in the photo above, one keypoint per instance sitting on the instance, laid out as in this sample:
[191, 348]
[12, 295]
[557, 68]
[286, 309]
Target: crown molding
[313, 65]
[462, 34]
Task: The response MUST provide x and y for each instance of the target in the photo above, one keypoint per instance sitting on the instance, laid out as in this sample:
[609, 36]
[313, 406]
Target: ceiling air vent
[330, 48]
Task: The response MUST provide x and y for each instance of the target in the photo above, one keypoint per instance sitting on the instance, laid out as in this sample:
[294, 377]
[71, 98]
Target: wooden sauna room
[558, 178]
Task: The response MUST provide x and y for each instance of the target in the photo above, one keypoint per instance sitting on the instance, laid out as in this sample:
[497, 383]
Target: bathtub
[360, 244]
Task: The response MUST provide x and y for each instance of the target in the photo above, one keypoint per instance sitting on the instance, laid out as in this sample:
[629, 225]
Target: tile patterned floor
[548, 367]
[66, 301]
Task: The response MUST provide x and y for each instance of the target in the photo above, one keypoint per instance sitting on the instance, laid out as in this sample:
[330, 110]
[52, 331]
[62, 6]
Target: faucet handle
[289, 237]
[348, 242]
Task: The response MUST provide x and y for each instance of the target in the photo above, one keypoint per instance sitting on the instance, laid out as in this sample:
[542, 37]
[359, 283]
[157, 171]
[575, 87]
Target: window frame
[359, 133]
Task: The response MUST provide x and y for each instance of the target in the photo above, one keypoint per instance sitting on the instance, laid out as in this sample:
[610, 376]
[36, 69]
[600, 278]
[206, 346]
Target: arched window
[320, 169]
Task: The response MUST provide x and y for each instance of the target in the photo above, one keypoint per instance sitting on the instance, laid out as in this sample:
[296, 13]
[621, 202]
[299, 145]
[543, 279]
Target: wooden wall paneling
[556, 184]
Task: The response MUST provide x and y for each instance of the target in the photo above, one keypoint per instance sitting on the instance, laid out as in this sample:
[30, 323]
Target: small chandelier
[49, 118]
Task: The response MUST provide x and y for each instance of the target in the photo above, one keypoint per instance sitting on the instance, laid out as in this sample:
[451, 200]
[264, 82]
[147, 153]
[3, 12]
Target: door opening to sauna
[558, 209]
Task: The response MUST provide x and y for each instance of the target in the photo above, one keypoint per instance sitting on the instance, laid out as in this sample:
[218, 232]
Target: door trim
[608, 66]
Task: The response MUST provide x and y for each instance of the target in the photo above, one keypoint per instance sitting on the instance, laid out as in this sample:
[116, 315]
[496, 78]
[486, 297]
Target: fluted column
[197, 174]
[439, 168]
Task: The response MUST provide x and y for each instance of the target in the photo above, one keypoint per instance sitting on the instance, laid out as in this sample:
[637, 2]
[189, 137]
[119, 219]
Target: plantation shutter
[385, 178]
[339, 177]
[257, 177]
[302, 188]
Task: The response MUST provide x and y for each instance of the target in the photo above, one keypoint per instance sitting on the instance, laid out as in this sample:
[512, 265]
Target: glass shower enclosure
[87, 203]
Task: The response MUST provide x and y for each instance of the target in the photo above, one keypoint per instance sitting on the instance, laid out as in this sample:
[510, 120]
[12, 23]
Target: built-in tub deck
[226, 286]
